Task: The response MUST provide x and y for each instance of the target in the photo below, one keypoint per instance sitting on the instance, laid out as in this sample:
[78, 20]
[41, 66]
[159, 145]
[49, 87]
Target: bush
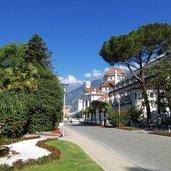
[45, 109]
[127, 117]
[13, 110]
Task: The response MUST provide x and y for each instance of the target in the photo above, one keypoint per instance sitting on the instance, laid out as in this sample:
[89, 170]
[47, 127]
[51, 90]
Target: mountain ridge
[77, 93]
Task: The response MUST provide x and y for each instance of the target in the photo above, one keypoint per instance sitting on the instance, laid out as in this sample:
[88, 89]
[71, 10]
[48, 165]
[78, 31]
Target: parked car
[74, 120]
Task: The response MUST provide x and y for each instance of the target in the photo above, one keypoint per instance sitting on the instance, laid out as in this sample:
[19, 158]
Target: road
[150, 152]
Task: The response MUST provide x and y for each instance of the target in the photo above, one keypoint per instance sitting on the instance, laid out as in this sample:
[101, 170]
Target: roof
[111, 71]
[108, 84]
[88, 89]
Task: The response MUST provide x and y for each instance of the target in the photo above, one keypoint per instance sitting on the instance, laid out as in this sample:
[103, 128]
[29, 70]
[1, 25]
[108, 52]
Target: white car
[74, 120]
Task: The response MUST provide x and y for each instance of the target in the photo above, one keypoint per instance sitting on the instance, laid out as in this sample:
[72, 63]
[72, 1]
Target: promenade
[102, 155]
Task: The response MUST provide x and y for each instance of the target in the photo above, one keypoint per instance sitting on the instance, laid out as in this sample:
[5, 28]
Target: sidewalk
[102, 155]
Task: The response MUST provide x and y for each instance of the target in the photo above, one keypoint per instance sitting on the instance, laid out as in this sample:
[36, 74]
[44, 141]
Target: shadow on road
[80, 124]
[88, 124]
[137, 169]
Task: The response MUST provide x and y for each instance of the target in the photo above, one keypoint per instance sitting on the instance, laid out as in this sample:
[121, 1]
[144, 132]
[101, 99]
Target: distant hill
[78, 92]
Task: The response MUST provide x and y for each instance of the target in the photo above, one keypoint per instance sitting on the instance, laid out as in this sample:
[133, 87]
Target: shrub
[46, 106]
[13, 109]
[127, 117]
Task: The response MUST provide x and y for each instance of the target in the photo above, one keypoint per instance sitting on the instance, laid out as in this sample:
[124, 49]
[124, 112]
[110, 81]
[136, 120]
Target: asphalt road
[150, 152]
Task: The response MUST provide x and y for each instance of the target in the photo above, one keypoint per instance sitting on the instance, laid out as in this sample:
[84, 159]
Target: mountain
[77, 93]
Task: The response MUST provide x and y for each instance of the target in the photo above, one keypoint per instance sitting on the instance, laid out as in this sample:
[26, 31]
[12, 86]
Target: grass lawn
[73, 159]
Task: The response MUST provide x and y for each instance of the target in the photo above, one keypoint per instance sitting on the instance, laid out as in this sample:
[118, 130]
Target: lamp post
[118, 98]
[64, 85]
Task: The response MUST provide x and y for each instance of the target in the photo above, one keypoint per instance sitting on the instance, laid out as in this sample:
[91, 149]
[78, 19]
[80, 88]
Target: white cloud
[87, 75]
[106, 69]
[123, 67]
[94, 74]
[70, 80]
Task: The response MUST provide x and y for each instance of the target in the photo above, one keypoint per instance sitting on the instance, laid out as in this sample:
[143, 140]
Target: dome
[111, 71]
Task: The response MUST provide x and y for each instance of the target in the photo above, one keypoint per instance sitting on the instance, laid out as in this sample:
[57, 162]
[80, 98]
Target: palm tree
[87, 112]
[19, 78]
[94, 105]
[103, 107]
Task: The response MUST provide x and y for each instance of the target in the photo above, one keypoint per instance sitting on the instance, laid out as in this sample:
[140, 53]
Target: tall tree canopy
[31, 97]
[160, 81]
[37, 51]
[137, 49]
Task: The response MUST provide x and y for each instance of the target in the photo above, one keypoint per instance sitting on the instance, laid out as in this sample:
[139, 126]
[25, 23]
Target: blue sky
[76, 29]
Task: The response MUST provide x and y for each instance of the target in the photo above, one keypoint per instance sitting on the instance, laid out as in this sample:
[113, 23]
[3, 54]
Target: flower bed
[130, 128]
[19, 164]
[6, 141]
[57, 131]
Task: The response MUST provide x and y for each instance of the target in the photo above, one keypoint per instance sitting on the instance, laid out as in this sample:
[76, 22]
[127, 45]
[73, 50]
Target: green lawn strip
[73, 159]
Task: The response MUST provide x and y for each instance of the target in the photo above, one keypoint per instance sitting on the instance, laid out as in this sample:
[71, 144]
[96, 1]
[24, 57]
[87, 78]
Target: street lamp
[118, 98]
[64, 85]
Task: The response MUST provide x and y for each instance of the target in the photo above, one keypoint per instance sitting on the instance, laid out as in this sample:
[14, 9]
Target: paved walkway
[102, 155]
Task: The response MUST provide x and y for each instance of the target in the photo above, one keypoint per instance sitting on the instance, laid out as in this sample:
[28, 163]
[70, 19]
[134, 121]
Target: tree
[86, 112]
[37, 52]
[94, 105]
[47, 102]
[15, 73]
[13, 113]
[103, 107]
[136, 50]
[160, 81]
[31, 96]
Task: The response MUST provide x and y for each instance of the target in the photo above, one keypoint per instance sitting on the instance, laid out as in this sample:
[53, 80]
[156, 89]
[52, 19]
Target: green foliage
[127, 117]
[45, 109]
[31, 96]
[136, 49]
[37, 52]
[160, 81]
[112, 117]
[13, 110]
[101, 106]
[133, 115]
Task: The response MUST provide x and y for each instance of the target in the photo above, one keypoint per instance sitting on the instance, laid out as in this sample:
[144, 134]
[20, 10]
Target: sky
[75, 30]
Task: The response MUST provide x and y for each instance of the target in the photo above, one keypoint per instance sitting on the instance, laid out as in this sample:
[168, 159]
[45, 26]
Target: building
[111, 77]
[101, 93]
[131, 96]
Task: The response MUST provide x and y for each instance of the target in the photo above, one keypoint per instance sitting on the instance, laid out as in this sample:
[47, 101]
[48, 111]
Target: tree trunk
[147, 105]
[158, 101]
[95, 118]
[100, 120]
[145, 95]
[91, 118]
[104, 118]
